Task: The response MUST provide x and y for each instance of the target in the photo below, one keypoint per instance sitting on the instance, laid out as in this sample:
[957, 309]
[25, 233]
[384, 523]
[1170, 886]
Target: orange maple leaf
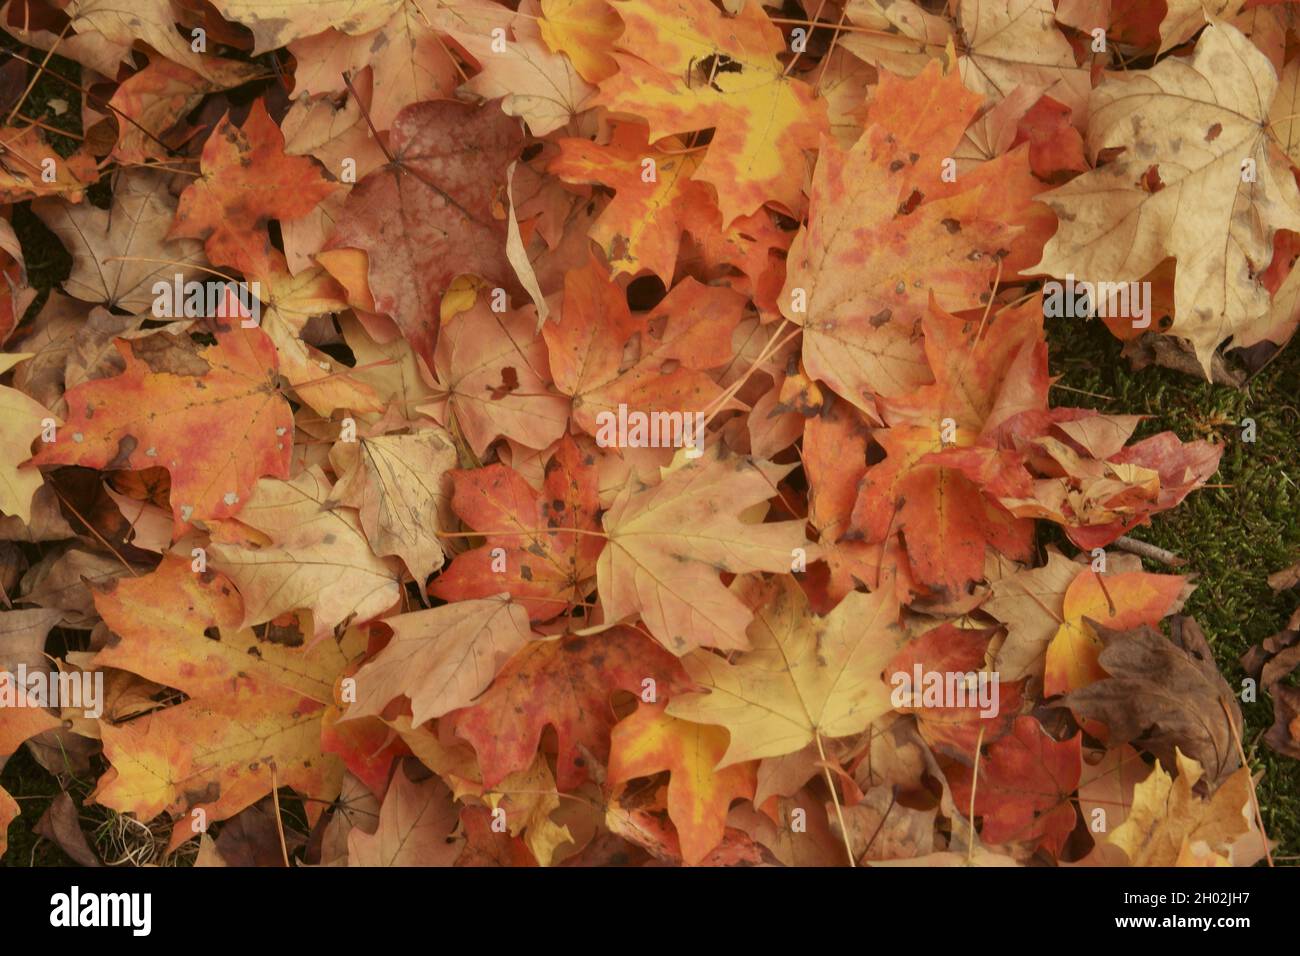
[247, 179]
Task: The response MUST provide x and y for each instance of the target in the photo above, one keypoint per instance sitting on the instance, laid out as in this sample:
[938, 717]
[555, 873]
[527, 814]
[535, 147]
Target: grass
[1233, 535]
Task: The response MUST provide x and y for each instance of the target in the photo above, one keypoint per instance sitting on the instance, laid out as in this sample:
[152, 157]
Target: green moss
[1233, 536]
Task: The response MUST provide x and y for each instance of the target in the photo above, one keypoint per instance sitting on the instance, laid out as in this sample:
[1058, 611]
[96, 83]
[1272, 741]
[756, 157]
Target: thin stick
[51, 129]
[40, 70]
[161, 167]
[839, 814]
[539, 532]
[835, 36]
[847, 28]
[812, 25]
[279, 824]
[1150, 551]
[172, 262]
[96, 99]
[369, 122]
[1110, 601]
[974, 782]
[91, 529]
[1254, 799]
[1083, 391]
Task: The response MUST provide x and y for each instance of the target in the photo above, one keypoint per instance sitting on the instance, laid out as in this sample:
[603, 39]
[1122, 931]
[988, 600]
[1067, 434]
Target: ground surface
[1234, 535]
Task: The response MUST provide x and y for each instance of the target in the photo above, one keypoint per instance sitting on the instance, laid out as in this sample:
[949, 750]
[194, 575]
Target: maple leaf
[933, 117]
[755, 245]
[277, 22]
[546, 569]
[1116, 601]
[317, 558]
[1178, 182]
[650, 741]
[540, 87]
[288, 303]
[1163, 695]
[15, 294]
[415, 827]
[603, 356]
[879, 828]
[1107, 784]
[429, 215]
[528, 798]
[254, 709]
[1098, 499]
[813, 241]
[565, 683]
[1025, 786]
[487, 847]
[1050, 612]
[667, 542]
[247, 179]
[945, 448]
[1167, 814]
[22, 642]
[901, 36]
[1009, 43]
[153, 101]
[683, 66]
[154, 22]
[641, 228]
[408, 61]
[861, 273]
[30, 168]
[441, 659]
[835, 461]
[804, 678]
[212, 417]
[21, 421]
[398, 484]
[1270, 663]
[1184, 18]
[133, 235]
[1055, 147]
[493, 372]
[585, 31]
[955, 727]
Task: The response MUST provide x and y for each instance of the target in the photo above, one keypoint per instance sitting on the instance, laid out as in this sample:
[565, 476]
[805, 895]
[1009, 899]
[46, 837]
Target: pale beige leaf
[668, 542]
[805, 677]
[400, 486]
[441, 659]
[1184, 17]
[415, 826]
[1032, 605]
[133, 236]
[1186, 127]
[1011, 43]
[318, 557]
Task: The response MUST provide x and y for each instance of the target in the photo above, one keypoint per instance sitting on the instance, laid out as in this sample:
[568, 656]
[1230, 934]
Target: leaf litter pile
[620, 433]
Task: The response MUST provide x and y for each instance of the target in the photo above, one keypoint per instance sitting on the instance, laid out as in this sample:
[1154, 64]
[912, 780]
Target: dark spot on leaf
[509, 383]
[125, 446]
